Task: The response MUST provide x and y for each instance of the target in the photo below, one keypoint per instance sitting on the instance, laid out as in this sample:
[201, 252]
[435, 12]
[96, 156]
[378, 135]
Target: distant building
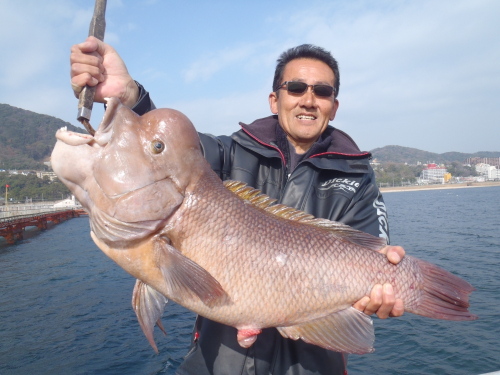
[51, 175]
[67, 203]
[491, 161]
[489, 172]
[434, 174]
[374, 163]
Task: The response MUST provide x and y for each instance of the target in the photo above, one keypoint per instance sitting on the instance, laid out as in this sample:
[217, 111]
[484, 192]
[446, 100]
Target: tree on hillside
[457, 169]
[395, 173]
[31, 186]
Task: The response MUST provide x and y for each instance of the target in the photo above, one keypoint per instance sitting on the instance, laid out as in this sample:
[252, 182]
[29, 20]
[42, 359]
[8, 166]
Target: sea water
[65, 308]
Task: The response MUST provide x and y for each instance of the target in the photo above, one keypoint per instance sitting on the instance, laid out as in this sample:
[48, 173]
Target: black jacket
[333, 181]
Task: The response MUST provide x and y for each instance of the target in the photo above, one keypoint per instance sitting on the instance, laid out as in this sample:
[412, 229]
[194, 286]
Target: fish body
[225, 251]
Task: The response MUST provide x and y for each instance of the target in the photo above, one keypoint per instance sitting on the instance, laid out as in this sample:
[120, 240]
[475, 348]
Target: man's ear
[273, 103]
[334, 109]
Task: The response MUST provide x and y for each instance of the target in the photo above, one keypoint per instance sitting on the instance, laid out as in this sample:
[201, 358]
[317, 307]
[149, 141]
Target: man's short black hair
[305, 51]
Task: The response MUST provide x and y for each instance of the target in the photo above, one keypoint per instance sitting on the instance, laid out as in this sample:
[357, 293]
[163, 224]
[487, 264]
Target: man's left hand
[382, 301]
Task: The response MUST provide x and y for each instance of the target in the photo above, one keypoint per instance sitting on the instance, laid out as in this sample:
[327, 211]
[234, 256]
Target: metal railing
[27, 213]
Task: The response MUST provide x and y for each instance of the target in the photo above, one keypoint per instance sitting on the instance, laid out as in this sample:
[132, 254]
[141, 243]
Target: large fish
[225, 251]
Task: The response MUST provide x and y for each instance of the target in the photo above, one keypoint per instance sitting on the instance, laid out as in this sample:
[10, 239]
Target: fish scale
[259, 302]
[225, 251]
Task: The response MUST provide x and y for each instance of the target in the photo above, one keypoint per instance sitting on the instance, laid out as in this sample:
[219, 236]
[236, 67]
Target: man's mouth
[306, 117]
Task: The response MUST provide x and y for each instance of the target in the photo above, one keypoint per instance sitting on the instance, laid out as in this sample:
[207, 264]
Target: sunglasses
[296, 87]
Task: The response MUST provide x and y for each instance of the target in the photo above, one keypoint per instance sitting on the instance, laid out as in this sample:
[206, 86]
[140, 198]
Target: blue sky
[422, 74]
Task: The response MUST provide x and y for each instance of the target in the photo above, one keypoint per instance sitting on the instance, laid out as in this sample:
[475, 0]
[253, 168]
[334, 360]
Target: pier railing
[31, 210]
[14, 215]
[13, 224]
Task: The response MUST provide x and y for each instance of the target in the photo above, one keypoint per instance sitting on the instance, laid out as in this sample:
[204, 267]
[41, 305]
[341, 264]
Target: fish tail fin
[443, 295]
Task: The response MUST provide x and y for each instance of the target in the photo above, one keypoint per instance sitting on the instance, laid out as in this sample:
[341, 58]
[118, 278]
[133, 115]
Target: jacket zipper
[284, 178]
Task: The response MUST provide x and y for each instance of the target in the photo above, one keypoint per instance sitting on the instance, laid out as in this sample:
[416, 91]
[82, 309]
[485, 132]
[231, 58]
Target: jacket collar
[333, 143]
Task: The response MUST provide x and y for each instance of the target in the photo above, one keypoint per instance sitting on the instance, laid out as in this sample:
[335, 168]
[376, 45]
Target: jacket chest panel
[322, 193]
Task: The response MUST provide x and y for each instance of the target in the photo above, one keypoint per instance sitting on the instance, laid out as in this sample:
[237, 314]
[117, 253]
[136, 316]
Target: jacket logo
[383, 227]
[343, 184]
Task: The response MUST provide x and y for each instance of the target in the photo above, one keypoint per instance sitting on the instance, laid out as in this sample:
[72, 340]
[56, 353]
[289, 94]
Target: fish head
[134, 172]
[137, 151]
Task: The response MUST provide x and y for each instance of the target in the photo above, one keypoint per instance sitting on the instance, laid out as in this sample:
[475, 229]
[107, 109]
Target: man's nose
[308, 99]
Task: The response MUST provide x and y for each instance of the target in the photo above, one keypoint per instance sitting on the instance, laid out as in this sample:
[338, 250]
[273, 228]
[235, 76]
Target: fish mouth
[73, 138]
[103, 134]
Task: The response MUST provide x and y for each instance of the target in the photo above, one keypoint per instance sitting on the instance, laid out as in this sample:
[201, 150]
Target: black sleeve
[144, 104]
[217, 151]
[368, 212]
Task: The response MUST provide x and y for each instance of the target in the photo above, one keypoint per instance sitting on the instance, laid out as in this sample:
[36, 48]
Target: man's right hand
[96, 63]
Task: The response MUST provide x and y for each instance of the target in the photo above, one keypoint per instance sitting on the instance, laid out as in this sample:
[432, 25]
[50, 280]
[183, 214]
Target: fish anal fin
[347, 331]
[160, 326]
[338, 229]
[148, 305]
[184, 278]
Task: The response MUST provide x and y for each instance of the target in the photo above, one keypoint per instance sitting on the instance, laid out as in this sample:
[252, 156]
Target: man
[292, 156]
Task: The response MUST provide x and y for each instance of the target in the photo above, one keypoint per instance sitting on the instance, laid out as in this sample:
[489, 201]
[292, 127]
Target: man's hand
[382, 301]
[96, 63]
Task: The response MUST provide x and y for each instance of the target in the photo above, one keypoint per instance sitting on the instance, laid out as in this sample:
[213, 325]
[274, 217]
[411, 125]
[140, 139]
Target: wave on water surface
[65, 307]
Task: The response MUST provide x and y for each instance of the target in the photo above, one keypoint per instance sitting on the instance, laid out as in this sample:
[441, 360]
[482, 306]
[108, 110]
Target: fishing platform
[12, 227]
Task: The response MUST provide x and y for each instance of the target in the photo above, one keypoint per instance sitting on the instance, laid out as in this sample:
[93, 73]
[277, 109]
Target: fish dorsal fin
[336, 228]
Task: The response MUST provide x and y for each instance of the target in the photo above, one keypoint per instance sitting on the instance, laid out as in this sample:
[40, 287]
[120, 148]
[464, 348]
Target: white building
[433, 173]
[51, 175]
[489, 172]
[67, 203]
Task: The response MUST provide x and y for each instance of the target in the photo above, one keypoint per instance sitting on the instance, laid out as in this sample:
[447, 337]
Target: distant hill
[399, 154]
[27, 138]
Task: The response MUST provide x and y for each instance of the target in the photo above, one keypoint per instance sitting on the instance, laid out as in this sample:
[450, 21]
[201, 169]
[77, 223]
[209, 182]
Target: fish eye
[157, 146]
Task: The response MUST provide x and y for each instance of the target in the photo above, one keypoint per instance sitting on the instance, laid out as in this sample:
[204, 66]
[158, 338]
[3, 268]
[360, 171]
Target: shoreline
[397, 189]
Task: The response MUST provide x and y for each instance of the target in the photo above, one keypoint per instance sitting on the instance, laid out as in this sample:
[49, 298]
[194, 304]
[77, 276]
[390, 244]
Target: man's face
[304, 116]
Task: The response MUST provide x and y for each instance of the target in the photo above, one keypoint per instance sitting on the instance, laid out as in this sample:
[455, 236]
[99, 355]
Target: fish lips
[105, 130]
[103, 133]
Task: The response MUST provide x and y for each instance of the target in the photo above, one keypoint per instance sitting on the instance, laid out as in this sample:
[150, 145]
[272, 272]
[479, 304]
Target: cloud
[421, 74]
[208, 65]
[113, 4]
[221, 115]
[37, 41]
[36, 52]
[111, 38]
[410, 70]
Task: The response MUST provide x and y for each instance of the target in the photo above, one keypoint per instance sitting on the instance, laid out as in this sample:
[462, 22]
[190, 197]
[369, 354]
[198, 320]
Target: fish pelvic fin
[247, 336]
[337, 229]
[148, 305]
[442, 295]
[186, 279]
[346, 331]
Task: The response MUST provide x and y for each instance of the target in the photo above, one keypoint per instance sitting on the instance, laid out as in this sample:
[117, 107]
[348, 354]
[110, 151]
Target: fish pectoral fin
[148, 305]
[185, 277]
[347, 331]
